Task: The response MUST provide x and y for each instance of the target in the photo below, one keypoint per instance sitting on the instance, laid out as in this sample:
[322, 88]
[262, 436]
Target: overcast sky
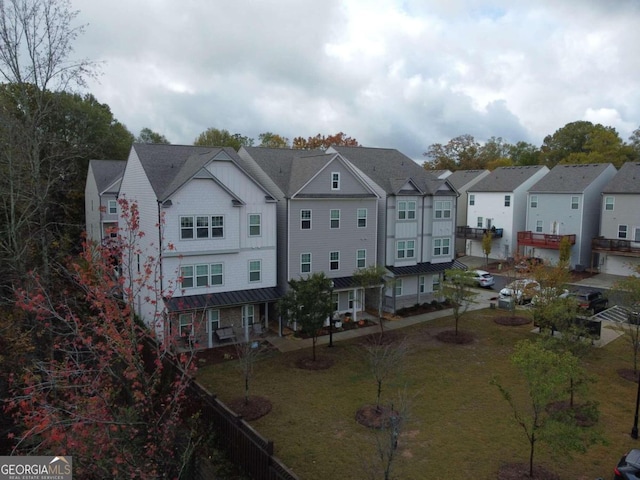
[390, 73]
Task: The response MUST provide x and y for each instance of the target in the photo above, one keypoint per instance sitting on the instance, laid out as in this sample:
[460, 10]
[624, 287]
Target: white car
[483, 278]
[547, 294]
[521, 291]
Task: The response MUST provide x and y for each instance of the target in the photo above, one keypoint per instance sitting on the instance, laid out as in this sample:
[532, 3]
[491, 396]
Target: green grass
[460, 426]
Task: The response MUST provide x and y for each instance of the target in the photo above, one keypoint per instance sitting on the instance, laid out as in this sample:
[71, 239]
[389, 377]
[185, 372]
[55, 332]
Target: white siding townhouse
[617, 247]
[100, 198]
[498, 204]
[565, 203]
[213, 229]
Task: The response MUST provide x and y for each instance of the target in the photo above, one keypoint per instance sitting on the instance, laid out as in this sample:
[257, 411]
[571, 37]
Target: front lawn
[460, 427]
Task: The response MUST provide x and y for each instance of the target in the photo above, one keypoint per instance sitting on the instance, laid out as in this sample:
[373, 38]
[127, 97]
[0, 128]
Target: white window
[335, 218]
[351, 299]
[622, 231]
[113, 207]
[440, 247]
[421, 287]
[507, 200]
[334, 261]
[575, 201]
[305, 219]
[608, 203]
[405, 249]
[217, 226]
[335, 298]
[406, 210]
[362, 217]
[398, 287]
[335, 181]
[186, 324]
[202, 227]
[472, 199]
[538, 226]
[443, 209]
[186, 275]
[479, 222]
[533, 201]
[361, 258]
[254, 225]
[202, 275]
[255, 267]
[186, 228]
[435, 280]
[214, 320]
[305, 262]
[217, 274]
[247, 315]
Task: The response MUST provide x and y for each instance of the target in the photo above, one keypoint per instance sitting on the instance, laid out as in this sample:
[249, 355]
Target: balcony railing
[616, 245]
[477, 233]
[543, 240]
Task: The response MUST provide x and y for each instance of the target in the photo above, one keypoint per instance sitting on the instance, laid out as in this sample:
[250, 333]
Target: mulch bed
[512, 321]
[517, 471]
[375, 417]
[256, 407]
[450, 336]
[320, 363]
[628, 374]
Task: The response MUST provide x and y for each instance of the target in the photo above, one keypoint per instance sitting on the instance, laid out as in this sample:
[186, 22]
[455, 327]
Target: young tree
[564, 252]
[308, 302]
[371, 279]
[248, 352]
[457, 290]
[386, 360]
[487, 240]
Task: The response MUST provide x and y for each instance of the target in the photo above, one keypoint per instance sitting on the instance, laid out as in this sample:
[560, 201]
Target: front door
[213, 323]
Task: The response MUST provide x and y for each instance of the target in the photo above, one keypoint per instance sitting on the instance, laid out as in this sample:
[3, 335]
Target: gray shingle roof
[460, 178]
[569, 178]
[106, 172]
[506, 179]
[627, 180]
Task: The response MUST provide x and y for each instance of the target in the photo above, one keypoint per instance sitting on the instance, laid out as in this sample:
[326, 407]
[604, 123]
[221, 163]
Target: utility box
[505, 303]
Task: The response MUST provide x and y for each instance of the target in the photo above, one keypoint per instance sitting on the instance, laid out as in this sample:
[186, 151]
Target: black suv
[592, 302]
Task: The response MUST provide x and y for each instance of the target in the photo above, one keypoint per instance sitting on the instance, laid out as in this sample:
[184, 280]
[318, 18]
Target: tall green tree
[523, 153]
[460, 153]
[213, 137]
[149, 136]
[273, 140]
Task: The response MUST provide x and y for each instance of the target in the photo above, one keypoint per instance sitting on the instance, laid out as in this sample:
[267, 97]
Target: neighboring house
[497, 204]
[100, 198]
[617, 249]
[327, 217]
[213, 229]
[462, 180]
[565, 203]
[416, 223]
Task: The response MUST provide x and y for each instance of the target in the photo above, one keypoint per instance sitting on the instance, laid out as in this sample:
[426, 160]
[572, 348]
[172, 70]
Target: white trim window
[575, 203]
[216, 274]
[507, 200]
[361, 258]
[533, 201]
[186, 228]
[623, 231]
[248, 315]
[185, 324]
[421, 286]
[113, 207]
[397, 287]
[201, 226]
[255, 271]
[335, 180]
[202, 275]
[441, 247]
[609, 203]
[305, 219]
[351, 299]
[213, 320]
[334, 261]
[186, 276]
[472, 199]
[443, 209]
[305, 263]
[538, 226]
[361, 217]
[255, 225]
[405, 249]
[435, 282]
[217, 226]
[406, 210]
[479, 222]
[334, 218]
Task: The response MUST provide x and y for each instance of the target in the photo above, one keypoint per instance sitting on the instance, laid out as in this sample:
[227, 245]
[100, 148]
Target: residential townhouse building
[497, 204]
[416, 223]
[327, 217]
[565, 204]
[617, 247]
[100, 198]
[212, 228]
[462, 180]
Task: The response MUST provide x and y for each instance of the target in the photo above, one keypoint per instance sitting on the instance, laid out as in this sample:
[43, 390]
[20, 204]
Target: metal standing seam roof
[506, 179]
[107, 172]
[426, 267]
[627, 180]
[569, 178]
[223, 299]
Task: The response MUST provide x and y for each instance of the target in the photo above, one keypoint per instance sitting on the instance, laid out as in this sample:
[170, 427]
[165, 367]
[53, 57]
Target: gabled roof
[461, 178]
[168, 167]
[569, 178]
[390, 168]
[506, 179]
[107, 174]
[627, 180]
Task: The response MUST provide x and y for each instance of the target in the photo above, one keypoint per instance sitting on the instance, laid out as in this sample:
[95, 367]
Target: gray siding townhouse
[213, 228]
[462, 180]
[100, 198]
[327, 217]
[617, 248]
[416, 225]
[497, 204]
[565, 203]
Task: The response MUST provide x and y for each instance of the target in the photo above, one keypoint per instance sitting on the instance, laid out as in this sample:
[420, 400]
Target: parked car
[628, 467]
[521, 291]
[592, 302]
[549, 293]
[527, 263]
[483, 278]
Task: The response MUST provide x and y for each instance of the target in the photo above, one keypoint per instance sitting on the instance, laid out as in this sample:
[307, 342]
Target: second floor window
[335, 181]
[201, 226]
[305, 219]
[507, 200]
[533, 201]
[361, 258]
[443, 209]
[608, 203]
[406, 210]
[440, 247]
[255, 270]
[113, 207]
[203, 275]
[575, 201]
[305, 262]
[335, 218]
[334, 261]
[362, 217]
[622, 231]
[254, 225]
[405, 249]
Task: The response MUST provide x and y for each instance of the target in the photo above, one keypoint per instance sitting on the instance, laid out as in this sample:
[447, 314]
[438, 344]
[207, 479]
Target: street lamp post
[634, 430]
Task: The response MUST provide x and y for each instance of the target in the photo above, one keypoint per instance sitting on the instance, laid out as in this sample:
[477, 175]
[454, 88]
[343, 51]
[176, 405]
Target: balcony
[543, 240]
[622, 247]
[477, 233]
